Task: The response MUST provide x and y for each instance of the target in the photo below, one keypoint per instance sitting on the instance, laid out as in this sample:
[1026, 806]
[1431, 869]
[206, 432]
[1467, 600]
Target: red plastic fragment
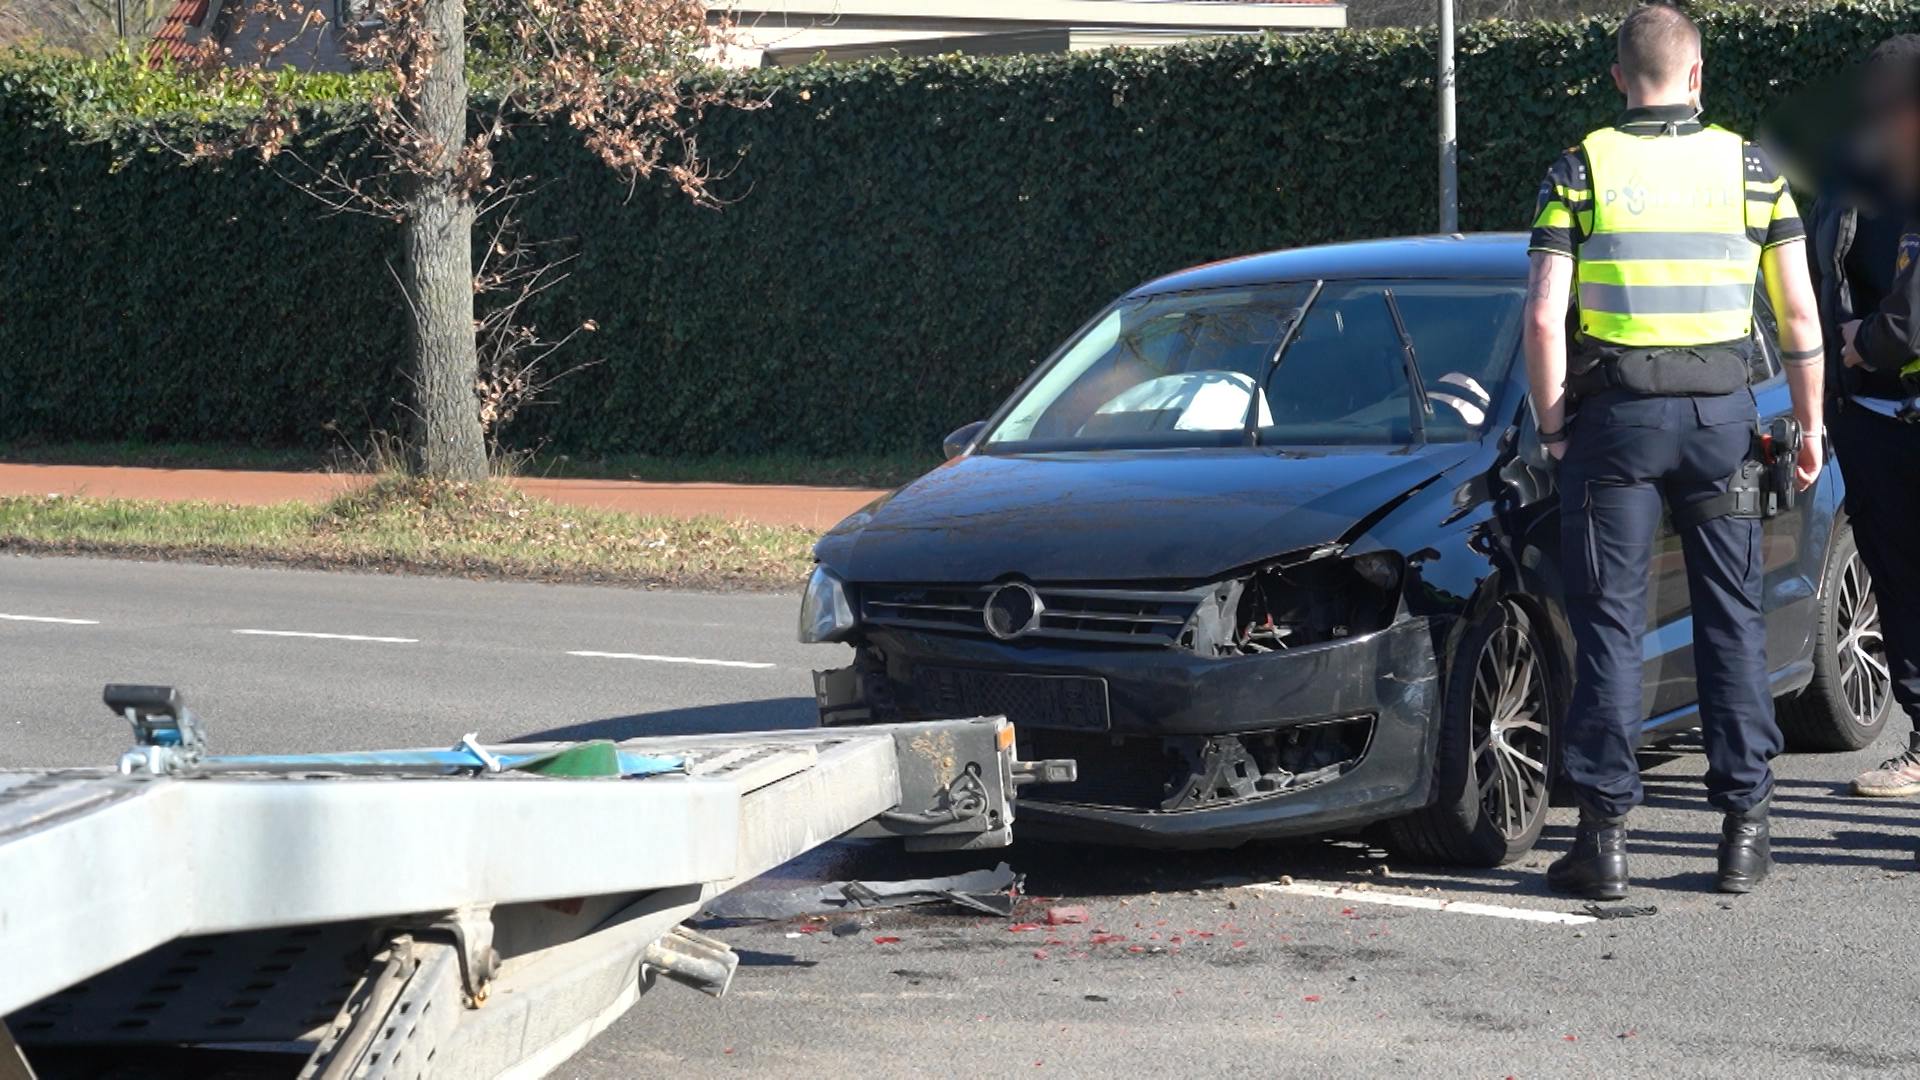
[1311, 997]
[1039, 954]
[1106, 939]
[1063, 916]
[886, 941]
[1022, 927]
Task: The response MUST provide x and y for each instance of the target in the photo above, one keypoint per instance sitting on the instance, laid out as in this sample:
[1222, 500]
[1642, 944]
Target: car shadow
[1856, 835]
[772, 714]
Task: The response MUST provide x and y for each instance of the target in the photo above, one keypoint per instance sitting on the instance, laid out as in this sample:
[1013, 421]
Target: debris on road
[1604, 912]
[1064, 916]
[1225, 881]
[990, 892]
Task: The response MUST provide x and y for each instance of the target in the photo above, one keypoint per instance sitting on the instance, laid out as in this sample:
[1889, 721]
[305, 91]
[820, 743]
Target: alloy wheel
[1511, 738]
[1864, 678]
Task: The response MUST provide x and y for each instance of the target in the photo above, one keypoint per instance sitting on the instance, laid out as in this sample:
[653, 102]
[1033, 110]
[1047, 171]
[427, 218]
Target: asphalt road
[1211, 965]
[459, 656]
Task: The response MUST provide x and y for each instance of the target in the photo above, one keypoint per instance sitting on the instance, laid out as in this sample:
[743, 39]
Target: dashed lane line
[50, 619]
[1423, 903]
[330, 637]
[670, 659]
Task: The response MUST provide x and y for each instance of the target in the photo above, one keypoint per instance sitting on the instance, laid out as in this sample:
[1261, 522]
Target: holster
[1762, 487]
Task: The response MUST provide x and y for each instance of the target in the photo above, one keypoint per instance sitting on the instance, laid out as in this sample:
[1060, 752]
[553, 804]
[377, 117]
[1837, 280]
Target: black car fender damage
[1295, 606]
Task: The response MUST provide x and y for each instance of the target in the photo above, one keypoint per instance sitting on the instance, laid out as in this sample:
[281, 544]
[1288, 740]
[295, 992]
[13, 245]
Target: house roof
[177, 40]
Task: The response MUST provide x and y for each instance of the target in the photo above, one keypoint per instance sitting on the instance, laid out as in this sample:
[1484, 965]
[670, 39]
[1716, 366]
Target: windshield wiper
[1252, 432]
[1419, 406]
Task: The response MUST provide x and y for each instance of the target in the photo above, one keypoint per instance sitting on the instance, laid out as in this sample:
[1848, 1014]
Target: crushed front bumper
[1136, 709]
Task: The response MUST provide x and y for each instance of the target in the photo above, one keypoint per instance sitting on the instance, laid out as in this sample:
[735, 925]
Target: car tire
[1847, 703]
[1492, 774]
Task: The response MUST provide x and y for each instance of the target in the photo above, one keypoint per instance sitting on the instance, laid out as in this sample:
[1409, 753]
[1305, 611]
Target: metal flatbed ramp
[499, 905]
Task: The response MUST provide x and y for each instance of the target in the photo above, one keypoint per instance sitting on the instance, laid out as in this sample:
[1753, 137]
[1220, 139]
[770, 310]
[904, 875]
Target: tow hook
[1051, 771]
[167, 738]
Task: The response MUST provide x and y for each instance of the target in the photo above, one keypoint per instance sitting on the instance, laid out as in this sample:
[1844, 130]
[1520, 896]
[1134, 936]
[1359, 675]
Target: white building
[782, 32]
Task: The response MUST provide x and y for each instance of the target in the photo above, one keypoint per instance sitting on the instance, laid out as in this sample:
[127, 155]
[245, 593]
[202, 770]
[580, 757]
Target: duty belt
[1692, 371]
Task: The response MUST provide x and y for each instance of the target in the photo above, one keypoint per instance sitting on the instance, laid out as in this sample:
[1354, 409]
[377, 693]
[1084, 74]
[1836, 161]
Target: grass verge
[397, 524]
[849, 470]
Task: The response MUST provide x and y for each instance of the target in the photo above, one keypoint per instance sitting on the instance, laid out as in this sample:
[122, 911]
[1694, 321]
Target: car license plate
[1056, 701]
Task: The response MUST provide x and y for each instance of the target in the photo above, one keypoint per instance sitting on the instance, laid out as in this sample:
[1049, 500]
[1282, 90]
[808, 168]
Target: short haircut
[1657, 43]
[1893, 71]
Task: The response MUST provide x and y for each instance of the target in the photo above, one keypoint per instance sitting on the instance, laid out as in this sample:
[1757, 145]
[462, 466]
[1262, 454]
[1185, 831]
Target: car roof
[1475, 255]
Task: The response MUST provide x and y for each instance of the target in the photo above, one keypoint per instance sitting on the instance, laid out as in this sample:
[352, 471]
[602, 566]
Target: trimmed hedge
[905, 239]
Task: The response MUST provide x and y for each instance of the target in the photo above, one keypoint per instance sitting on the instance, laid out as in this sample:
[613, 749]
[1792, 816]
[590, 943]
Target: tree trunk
[448, 442]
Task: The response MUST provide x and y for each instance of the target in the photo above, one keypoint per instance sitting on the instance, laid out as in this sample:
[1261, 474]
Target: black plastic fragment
[1605, 912]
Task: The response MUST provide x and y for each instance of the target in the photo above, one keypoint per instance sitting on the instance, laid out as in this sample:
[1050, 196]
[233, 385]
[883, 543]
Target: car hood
[1123, 515]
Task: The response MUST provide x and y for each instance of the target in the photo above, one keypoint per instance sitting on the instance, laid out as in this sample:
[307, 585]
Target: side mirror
[1530, 471]
[958, 442]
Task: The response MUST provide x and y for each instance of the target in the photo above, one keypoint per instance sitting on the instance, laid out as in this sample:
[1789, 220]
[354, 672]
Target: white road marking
[669, 659]
[1424, 903]
[330, 637]
[50, 619]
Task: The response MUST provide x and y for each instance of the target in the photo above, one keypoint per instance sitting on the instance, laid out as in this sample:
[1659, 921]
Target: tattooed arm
[1549, 280]
[1790, 289]
[1562, 213]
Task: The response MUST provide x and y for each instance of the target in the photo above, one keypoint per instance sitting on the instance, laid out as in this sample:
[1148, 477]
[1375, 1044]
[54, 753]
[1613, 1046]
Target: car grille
[1112, 616]
[1195, 772]
[1123, 773]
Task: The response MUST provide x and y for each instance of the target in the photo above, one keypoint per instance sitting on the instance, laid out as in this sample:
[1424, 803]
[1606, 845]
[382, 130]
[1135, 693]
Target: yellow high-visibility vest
[1668, 261]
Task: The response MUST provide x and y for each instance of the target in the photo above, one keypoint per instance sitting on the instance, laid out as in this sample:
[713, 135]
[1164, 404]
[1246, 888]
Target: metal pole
[1449, 142]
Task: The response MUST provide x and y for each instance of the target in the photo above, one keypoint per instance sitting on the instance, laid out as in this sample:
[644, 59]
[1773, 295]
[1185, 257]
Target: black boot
[1596, 867]
[1746, 852]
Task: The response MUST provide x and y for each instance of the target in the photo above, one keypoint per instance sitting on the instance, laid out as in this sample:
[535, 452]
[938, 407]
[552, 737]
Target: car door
[1668, 646]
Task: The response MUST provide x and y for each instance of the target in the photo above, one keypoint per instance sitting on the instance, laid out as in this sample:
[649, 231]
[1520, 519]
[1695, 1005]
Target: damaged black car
[1269, 547]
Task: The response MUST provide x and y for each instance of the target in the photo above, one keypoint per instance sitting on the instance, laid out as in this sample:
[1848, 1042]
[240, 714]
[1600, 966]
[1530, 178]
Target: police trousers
[1880, 460]
[1627, 456]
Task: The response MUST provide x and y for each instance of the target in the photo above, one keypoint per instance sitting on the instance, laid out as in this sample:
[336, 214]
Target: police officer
[1864, 258]
[1656, 228]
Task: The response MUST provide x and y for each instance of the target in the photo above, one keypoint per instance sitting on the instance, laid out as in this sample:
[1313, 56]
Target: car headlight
[825, 612]
[1293, 603]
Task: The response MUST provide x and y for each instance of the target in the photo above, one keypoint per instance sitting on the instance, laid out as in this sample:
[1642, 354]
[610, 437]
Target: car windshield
[1203, 368]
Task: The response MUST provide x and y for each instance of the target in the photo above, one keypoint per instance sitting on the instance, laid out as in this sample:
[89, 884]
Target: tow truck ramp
[482, 911]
